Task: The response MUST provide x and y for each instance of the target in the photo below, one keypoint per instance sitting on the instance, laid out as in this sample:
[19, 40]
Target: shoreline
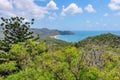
[53, 37]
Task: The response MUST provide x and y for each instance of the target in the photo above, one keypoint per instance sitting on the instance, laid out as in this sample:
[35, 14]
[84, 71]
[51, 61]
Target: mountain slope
[44, 32]
[103, 39]
[47, 32]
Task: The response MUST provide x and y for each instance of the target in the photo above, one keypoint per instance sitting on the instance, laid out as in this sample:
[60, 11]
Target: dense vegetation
[31, 60]
[15, 30]
[95, 58]
[103, 39]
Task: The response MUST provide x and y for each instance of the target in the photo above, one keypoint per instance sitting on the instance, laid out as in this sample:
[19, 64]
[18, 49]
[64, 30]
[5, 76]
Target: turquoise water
[80, 35]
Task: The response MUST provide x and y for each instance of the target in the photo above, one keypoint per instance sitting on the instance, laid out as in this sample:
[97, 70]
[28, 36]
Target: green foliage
[55, 42]
[8, 67]
[24, 53]
[89, 73]
[15, 30]
[29, 74]
[21, 57]
[103, 39]
[32, 60]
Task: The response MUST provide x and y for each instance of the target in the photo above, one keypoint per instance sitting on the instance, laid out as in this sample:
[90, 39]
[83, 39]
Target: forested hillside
[28, 58]
[32, 60]
[103, 39]
[47, 32]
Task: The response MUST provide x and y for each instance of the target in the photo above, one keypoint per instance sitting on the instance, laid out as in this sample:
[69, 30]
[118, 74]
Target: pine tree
[15, 30]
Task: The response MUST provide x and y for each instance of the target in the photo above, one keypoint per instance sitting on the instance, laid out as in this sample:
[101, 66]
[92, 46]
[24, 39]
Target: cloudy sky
[66, 14]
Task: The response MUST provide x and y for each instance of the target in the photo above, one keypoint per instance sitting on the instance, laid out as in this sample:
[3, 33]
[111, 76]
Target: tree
[15, 30]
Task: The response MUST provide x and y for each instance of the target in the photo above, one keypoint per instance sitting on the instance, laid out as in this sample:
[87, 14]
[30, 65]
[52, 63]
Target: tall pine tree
[15, 30]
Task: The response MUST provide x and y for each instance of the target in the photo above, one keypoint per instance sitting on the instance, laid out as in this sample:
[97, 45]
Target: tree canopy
[15, 30]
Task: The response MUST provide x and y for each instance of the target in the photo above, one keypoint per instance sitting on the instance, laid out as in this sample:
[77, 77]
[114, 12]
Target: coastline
[81, 35]
[54, 37]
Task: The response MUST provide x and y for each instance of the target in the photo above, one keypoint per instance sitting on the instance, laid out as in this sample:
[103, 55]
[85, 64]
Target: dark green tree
[15, 30]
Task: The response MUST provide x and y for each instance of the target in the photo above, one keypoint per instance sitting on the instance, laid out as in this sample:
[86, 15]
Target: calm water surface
[80, 35]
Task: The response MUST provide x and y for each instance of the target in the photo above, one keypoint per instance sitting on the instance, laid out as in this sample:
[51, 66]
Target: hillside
[103, 39]
[47, 32]
[92, 59]
[44, 34]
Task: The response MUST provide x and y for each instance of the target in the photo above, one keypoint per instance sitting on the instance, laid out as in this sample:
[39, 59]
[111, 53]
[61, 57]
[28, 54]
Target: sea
[80, 35]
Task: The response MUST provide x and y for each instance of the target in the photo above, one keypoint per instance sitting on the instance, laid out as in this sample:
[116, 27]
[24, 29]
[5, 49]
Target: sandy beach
[54, 37]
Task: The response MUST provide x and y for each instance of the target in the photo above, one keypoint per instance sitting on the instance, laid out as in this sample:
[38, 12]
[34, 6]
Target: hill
[44, 34]
[32, 60]
[47, 32]
[103, 39]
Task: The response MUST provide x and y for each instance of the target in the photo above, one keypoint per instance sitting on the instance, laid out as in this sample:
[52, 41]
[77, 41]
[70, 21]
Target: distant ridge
[102, 39]
[48, 32]
[45, 32]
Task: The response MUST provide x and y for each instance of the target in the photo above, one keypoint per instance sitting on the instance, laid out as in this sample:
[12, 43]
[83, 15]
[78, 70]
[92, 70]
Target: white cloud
[71, 9]
[114, 5]
[5, 5]
[106, 14]
[32, 9]
[6, 14]
[6, 8]
[25, 8]
[53, 16]
[89, 8]
[52, 6]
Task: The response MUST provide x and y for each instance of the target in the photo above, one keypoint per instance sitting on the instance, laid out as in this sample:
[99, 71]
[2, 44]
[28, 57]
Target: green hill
[44, 34]
[103, 39]
[94, 58]
[47, 32]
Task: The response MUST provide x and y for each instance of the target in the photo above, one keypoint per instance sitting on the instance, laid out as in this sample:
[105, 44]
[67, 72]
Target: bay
[80, 35]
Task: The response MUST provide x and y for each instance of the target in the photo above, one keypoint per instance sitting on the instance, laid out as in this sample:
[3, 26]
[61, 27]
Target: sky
[87, 15]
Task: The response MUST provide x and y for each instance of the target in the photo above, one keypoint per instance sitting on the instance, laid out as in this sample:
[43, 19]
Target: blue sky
[66, 14]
